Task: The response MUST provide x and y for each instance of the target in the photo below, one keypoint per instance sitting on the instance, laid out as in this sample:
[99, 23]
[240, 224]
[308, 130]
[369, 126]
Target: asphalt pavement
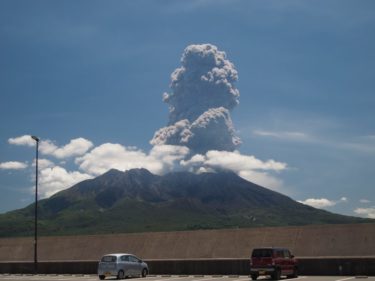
[51, 277]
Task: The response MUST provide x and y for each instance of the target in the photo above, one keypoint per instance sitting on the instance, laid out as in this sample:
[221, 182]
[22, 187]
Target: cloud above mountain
[202, 95]
[160, 160]
[54, 174]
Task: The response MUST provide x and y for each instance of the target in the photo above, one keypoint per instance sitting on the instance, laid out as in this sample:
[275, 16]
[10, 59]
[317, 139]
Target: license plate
[107, 274]
[262, 272]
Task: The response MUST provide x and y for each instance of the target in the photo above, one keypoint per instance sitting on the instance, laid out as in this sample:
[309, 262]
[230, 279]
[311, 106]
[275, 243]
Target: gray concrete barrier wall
[55, 267]
[307, 266]
[202, 251]
[355, 240]
[338, 266]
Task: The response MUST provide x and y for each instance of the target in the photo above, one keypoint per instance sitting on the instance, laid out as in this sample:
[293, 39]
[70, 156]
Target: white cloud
[367, 212]
[262, 179]
[319, 203]
[161, 158]
[55, 179]
[237, 162]
[44, 163]
[75, 147]
[165, 158]
[22, 140]
[343, 199]
[108, 156]
[323, 202]
[246, 166]
[284, 135]
[168, 155]
[365, 144]
[362, 144]
[13, 165]
[47, 147]
[365, 201]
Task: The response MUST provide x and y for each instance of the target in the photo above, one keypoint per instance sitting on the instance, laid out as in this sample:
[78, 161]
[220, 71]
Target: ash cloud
[202, 95]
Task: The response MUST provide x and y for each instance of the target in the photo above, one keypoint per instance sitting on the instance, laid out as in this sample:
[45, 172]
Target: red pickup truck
[274, 262]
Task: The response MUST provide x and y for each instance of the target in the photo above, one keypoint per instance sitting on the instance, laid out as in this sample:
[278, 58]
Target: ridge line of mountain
[139, 201]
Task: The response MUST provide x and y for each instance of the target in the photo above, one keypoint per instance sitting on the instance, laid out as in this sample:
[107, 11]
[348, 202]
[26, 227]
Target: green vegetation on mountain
[138, 201]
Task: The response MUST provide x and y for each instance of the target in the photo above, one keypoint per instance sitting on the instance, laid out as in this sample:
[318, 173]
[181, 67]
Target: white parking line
[301, 277]
[345, 278]
[167, 278]
[205, 279]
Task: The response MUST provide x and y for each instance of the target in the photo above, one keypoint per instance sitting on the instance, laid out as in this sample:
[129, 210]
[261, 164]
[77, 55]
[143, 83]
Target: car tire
[254, 276]
[121, 275]
[295, 273]
[276, 275]
[144, 272]
[101, 277]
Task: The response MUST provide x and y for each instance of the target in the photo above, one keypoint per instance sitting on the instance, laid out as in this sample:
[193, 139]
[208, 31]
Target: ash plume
[202, 95]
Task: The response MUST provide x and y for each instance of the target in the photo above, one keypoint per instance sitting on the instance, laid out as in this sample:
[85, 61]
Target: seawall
[325, 247]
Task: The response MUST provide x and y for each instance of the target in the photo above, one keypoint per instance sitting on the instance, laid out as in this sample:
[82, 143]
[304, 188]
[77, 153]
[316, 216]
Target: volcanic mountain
[139, 201]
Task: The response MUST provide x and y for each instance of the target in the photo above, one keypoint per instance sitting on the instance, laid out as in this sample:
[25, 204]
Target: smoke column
[202, 95]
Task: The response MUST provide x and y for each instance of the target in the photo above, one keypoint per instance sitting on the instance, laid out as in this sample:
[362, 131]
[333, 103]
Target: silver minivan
[121, 265]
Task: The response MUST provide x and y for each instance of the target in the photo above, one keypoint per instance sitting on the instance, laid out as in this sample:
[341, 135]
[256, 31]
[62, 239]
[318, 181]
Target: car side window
[124, 258]
[286, 254]
[109, 259]
[133, 259]
[279, 254]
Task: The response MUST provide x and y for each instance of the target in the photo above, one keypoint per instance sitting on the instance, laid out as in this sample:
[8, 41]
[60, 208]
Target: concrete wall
[316, 266]
[322, 250]
[356, 240]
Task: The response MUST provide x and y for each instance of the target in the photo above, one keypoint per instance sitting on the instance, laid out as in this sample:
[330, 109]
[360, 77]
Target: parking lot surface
[29, 277]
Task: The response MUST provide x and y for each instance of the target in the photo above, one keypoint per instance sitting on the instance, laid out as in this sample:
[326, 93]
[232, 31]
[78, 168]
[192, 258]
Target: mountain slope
[138, 201]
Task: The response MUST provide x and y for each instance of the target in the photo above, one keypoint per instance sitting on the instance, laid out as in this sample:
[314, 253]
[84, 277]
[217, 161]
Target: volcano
[139, 201]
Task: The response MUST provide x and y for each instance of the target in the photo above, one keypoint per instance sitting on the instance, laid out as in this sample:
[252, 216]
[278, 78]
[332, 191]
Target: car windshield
[109, 259]
[262, 253]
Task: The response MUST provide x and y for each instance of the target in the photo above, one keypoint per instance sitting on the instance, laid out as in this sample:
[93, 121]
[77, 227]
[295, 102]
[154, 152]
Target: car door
[136, 265]
[288, 261]
[126, 265]
[279, 259]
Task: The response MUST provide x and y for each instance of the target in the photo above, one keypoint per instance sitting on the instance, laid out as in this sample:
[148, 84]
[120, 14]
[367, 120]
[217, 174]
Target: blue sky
[87, 77]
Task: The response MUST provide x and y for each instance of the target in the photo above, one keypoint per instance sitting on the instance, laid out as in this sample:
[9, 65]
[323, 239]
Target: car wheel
[295, 273]
[254, 276]
[101, 277]
[144, 272]
[276, 275]
[121, 275]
